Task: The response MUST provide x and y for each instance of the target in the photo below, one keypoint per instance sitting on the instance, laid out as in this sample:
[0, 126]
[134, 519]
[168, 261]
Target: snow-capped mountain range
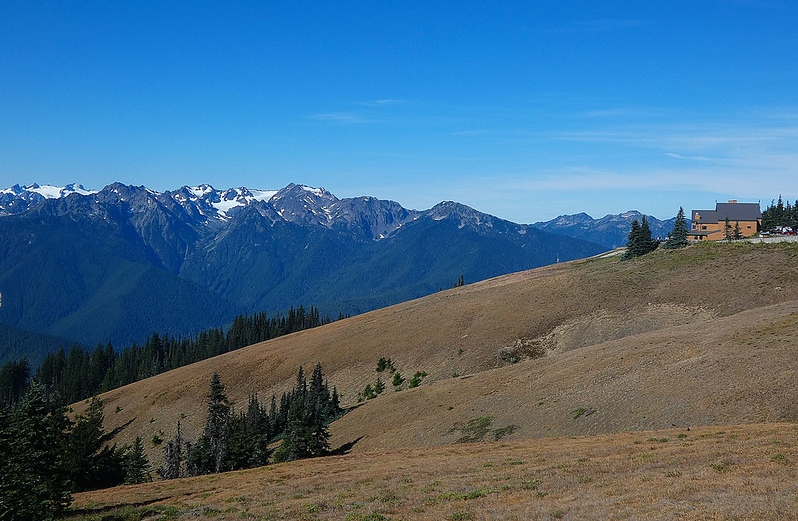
[204, 204]
[211, 202]
[17, 199]
[300, 203]
[119, 263]
[611, 230]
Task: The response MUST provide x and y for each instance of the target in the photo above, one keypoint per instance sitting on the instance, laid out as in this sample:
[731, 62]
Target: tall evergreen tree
[318, 399]
[136, 464]
[14, 378]
[678, 236]
[640, 240]
[737, 234]
[90, 461]
[306, 434]
[633, 242]
[211, 450]
[34, 483]
[249, 437]
[647, 241]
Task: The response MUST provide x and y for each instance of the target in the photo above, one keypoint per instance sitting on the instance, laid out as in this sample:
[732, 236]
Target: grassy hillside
[698, 337]
[729, 472]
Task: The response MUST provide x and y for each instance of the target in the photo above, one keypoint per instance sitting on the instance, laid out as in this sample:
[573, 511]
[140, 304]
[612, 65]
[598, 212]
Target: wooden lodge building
[710, 225]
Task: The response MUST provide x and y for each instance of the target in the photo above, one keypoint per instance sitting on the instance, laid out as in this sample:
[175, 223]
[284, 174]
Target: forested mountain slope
[119, 264]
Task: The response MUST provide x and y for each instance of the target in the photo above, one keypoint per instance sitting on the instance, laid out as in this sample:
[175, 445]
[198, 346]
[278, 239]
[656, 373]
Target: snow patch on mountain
[47, 191]
[18, 199]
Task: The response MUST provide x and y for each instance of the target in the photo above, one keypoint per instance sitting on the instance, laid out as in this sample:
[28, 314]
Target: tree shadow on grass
[345, 448]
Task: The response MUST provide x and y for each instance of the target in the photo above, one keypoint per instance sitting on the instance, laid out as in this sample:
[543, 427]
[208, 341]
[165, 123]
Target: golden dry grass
[707, 473]
[674, 337]
[701, 337]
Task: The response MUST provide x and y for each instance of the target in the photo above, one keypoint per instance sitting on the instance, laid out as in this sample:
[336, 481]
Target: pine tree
[34, 483]
[647, 242]
[211, 450]
[678, 236]
[737, 234]
[136, 464]
[258, 433]
[379, 386]
[14, 378]
[727, 230]
[640, 240]
[306, 433]
[91, 463]
[633, 243]
[296, 434]
[249, 437]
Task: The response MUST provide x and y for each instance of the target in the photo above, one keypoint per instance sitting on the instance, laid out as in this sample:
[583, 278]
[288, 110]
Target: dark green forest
[77, 373]
[47, 456]
[779, 214]
[234, 441]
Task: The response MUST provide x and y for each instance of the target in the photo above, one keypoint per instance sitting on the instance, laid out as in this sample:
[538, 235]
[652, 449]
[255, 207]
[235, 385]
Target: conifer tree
[678, 236]
[296, 434]
[306, 434]
[379, 386]
[647, 242]
[211, 450]
[258, 433]
[34, 482]
[249, 437]
[633, 243]
[13, 381]
[137, 466]
[737, 234]
[640, 240]
[91, 462]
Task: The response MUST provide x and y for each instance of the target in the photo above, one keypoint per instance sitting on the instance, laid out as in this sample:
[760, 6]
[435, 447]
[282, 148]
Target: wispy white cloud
[607, 160]
[387, 102]
[688, 158]
[364, 112]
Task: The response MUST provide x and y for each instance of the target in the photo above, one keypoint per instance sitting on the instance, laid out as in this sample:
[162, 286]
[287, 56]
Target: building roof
[738, 211]
[705, 216]
[731, 211]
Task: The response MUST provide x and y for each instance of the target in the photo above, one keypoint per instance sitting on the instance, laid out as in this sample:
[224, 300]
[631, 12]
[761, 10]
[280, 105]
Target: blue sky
[525, 110]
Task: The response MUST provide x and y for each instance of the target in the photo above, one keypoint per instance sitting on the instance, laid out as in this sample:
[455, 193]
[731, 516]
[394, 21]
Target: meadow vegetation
[660, 387]
[729, 472]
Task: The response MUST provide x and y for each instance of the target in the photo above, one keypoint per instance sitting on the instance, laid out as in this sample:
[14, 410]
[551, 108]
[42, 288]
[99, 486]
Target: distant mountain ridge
[18, 199]
[122, 262]
[316, 205]
[611, 230]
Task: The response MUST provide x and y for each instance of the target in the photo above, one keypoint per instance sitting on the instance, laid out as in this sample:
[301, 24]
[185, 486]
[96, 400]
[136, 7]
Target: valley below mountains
[118, 264]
